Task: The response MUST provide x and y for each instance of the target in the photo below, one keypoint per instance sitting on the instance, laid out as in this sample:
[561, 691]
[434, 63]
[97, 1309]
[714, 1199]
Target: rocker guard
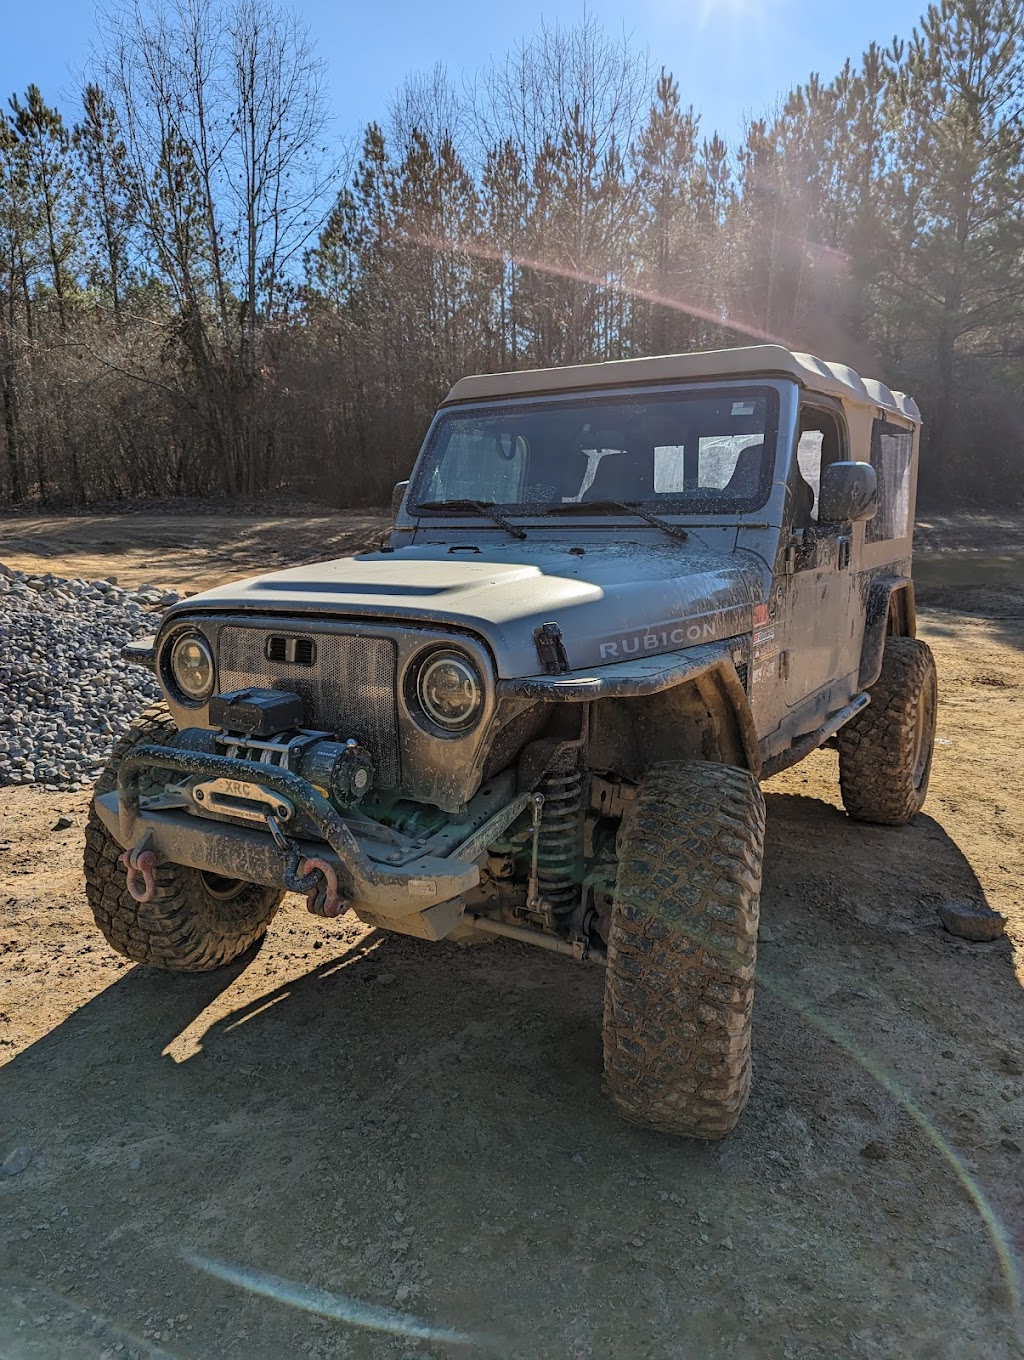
[396, 890]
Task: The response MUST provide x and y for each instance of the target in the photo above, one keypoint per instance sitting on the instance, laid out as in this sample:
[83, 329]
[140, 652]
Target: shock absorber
[560, 839]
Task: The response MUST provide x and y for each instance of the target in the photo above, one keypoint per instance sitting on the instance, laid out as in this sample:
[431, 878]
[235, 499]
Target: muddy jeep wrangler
[615, 598]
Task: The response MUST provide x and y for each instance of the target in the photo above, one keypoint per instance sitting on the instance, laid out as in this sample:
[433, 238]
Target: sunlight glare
[731, 15]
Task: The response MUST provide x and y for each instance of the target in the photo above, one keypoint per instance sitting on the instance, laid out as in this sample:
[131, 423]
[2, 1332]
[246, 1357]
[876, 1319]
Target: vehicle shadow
[421, 1129]
[990, 591]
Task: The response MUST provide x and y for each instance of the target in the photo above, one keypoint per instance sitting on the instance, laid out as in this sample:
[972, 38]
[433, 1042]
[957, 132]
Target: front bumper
[387, 878]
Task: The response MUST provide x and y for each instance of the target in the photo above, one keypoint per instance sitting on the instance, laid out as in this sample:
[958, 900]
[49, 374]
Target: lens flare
[734, 14]
[327, 1304]
[478, 251]
[998, 1235]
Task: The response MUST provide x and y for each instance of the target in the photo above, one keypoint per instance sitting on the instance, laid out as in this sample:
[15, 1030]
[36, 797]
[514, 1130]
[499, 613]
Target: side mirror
[848, 493]
[397, 497]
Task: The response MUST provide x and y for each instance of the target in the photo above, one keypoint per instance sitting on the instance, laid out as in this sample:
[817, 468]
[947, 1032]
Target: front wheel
[196, 921]
[682, 946]
[885, 753]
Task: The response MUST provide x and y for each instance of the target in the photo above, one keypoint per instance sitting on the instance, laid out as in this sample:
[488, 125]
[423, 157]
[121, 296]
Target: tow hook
[140, 869]
[314, 877]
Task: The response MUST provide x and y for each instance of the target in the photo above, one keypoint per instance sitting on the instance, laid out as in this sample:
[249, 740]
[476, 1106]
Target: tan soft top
[833, 380]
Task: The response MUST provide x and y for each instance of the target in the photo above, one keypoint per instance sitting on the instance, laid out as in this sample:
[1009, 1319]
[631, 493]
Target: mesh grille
[349, 689]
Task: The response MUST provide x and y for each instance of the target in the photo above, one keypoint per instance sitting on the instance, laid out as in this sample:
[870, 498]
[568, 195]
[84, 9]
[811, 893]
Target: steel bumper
[366, 875]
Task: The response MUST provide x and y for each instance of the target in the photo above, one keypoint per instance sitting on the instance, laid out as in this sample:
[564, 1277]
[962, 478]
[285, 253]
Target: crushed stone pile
[65, 693]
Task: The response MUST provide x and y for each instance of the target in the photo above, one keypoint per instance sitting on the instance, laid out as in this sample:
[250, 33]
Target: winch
[265, 727]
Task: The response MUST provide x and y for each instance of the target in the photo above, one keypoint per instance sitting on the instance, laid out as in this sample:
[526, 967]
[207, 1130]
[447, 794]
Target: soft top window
[892, 449]
[687, 452]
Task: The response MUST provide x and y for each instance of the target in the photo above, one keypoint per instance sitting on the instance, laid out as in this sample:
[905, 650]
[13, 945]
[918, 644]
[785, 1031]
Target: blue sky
[733, 58]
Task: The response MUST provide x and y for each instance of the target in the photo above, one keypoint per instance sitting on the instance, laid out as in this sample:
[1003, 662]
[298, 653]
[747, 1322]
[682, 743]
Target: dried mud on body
[420, 1130]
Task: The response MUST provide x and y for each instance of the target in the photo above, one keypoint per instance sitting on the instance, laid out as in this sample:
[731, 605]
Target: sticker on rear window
[743, 408]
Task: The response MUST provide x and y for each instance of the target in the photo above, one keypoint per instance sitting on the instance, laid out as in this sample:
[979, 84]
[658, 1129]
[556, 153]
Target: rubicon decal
[662, 637]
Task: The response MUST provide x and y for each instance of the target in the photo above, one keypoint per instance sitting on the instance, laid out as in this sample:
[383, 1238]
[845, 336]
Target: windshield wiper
[484, 508]
[633, 507]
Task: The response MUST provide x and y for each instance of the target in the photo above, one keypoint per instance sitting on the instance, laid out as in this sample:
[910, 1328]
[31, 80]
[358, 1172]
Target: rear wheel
[681, 951]
[197, 920]
[885, 753]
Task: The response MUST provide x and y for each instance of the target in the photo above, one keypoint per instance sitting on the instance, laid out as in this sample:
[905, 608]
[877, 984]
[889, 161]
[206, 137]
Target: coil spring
[559, 842]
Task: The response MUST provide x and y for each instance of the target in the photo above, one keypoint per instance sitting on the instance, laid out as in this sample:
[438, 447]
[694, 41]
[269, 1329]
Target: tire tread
[682, 951]
[876, 748]
[184, 928]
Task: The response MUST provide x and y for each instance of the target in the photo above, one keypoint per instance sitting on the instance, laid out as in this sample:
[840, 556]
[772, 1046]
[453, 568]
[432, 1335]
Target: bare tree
[427, 102]
[222, 113]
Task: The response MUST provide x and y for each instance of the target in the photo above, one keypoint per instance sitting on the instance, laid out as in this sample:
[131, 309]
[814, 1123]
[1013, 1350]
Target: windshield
[685, 452]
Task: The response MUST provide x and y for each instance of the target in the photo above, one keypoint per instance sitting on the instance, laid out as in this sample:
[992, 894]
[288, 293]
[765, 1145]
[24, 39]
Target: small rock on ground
[874, 1151]
[67, 694]
[971, 921]
[16, 1161]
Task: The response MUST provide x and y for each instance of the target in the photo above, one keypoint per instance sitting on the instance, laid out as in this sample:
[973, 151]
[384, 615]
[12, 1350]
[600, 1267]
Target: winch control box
[257, 712]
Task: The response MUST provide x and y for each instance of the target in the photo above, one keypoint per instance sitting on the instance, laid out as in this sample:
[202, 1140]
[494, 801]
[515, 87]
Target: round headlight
[192, 666]
[450, 691]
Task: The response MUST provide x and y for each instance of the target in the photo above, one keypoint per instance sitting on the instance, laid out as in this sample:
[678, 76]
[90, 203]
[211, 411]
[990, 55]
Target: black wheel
[197, 920]
[681, 950]
[885, 753]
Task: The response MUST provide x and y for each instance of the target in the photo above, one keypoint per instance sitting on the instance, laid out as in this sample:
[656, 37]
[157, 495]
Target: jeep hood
[613, 601]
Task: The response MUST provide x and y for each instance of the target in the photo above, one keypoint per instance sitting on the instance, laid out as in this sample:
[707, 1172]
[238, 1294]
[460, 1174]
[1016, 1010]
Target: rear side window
[892, 449]
[716, 462]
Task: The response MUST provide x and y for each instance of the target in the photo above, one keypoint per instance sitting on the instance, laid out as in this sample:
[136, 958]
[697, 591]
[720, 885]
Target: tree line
[203, 293]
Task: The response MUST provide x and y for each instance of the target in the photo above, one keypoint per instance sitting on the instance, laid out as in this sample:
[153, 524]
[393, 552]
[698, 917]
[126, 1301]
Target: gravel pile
[65, 693]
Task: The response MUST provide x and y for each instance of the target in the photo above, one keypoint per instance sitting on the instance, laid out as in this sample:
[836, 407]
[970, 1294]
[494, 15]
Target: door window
[820, 444]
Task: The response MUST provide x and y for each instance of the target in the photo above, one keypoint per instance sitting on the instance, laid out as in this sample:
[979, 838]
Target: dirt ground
[400, 1135]
[182, 552]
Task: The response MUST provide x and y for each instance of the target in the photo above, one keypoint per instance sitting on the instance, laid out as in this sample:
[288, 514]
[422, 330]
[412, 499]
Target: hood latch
[551, 649]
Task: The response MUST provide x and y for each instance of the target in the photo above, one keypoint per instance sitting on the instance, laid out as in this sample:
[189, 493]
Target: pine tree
[329, 265]
[18, 227]
[506, 198]
[110, 196]
[52, 181]
[959, 99]
[666, 172]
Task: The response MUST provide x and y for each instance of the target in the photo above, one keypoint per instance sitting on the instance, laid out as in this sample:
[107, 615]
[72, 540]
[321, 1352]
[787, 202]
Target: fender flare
[736, 700]
[890, 609]
[711, 666]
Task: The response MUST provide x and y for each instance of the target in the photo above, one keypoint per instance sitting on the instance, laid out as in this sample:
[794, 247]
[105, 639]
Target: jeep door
[818, 603]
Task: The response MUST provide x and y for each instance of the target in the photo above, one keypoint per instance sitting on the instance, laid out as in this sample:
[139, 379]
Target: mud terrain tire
[885, 753]
[195, 922]
[681, 950]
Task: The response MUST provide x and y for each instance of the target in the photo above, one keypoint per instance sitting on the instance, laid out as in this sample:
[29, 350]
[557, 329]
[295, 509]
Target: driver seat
[746, 475]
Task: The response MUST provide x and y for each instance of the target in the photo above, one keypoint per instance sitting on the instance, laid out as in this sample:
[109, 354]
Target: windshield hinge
[551, 649]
